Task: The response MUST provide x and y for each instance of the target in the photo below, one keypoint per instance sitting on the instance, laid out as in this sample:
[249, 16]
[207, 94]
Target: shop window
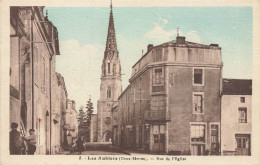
[198, 139]
[198, 133]
[242, 115]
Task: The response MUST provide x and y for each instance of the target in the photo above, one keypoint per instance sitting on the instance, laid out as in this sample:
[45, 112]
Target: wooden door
[159, 138]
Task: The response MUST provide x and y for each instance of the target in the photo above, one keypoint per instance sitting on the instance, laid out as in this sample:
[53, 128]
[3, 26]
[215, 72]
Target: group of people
[17, 144]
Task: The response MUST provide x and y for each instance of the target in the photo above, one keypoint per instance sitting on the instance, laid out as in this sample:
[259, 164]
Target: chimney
[213, 45]
[149, 47]
[180, 40]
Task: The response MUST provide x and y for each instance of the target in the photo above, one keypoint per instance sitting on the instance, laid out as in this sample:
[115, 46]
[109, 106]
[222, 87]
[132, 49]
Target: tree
[81, 116]
[89, 111]
[84, 120]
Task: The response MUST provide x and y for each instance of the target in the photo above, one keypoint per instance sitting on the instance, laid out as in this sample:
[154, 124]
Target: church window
[108, 120]
[108, 92]
[114, 69]
[108, 67]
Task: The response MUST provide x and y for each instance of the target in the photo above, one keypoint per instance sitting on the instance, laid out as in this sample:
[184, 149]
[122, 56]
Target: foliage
[89, 111]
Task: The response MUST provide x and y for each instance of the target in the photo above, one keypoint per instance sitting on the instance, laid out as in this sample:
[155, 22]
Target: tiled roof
[237, 87]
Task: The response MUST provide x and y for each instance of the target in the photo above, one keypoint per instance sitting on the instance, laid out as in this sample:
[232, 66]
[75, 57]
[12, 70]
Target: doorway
[107, 136]
[243, 144]
[158, 138]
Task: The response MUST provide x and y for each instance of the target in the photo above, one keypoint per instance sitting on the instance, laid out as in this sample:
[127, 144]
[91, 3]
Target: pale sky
[83, 32]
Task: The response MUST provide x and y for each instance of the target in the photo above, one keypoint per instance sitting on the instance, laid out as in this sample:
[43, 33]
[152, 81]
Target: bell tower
[111, 86]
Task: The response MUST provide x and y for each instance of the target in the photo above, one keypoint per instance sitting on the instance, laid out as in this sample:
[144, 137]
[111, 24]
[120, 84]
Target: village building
[110, 87]
[59, 94]
[172, 104]
[236, 117]
[37, 95]
[70, 123]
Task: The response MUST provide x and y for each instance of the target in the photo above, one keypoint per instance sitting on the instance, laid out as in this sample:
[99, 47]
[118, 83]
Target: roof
[124, 91]
[237, 87]
[186, 44]
[190, 45]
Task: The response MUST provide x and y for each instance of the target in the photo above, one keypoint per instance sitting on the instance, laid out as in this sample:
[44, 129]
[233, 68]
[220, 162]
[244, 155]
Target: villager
[31, 142]
[80, 146]
[15, 140]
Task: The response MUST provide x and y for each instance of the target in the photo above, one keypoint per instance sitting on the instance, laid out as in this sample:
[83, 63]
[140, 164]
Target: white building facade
[236, 117]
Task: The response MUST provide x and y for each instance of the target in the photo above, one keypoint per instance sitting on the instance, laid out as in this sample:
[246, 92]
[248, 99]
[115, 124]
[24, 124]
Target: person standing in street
[14, 140]
[31, 142]
[80, 146]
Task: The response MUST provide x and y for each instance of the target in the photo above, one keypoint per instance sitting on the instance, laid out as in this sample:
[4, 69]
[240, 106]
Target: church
[110, 87]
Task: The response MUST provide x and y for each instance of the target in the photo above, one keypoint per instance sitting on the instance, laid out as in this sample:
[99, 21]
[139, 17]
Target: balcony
[156, 115]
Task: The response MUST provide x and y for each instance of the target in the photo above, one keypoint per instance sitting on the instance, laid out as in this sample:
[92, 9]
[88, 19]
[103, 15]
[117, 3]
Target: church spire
[111, 64]
[111, 36]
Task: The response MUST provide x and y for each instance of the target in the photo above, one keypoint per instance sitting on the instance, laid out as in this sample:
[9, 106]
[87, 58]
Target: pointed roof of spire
[111, 36]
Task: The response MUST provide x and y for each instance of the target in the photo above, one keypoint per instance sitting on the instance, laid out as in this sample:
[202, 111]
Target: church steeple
[111, 65]
[111, 84]
[111, 36]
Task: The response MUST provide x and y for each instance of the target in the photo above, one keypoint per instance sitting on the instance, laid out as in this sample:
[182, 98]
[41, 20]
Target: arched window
[108, 92]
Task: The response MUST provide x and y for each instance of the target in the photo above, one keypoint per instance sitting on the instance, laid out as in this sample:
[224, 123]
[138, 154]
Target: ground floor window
[198, 139]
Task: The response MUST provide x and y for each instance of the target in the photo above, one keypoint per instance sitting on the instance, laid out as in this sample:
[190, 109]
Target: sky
[83, 31]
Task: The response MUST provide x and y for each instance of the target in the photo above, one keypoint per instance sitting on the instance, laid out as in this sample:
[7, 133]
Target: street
[98, 149]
